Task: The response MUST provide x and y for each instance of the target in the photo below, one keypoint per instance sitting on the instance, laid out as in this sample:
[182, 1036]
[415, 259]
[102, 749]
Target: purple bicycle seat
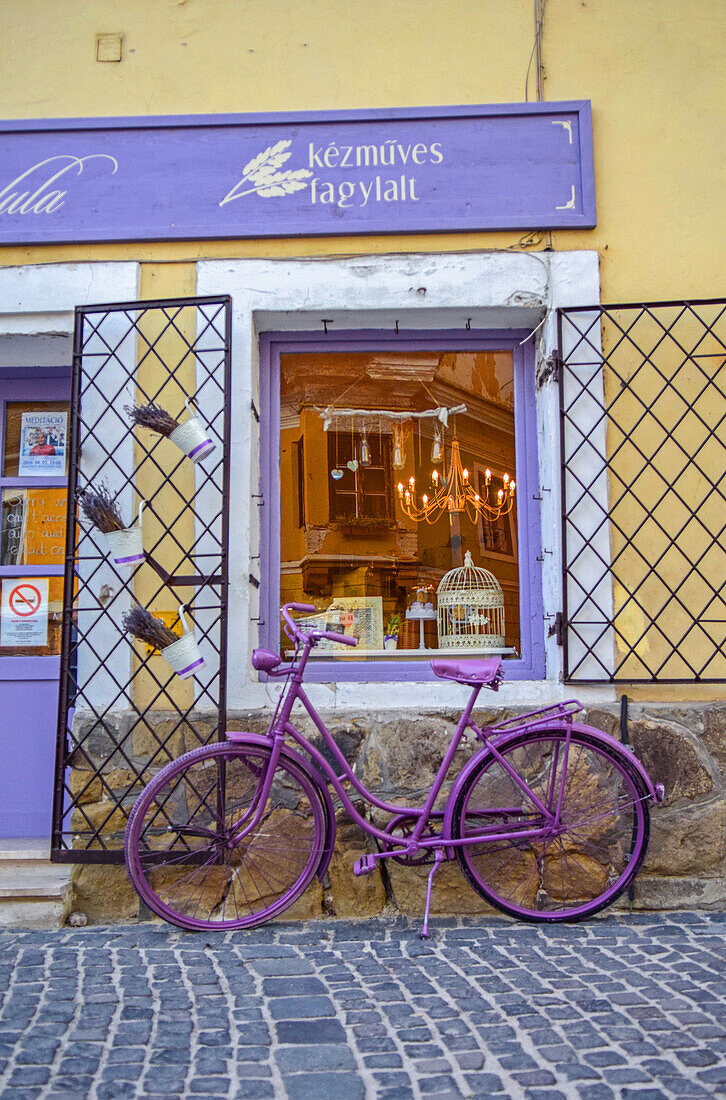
[486, 670]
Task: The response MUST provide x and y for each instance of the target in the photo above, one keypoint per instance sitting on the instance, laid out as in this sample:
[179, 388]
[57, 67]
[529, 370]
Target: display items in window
[395, 470]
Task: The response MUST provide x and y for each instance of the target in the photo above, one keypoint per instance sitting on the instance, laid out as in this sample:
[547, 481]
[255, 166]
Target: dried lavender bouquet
[152, 631]
[101, 509]
[153, 417]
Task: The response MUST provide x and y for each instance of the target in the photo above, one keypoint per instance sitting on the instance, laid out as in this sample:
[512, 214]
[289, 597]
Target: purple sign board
[522, 166]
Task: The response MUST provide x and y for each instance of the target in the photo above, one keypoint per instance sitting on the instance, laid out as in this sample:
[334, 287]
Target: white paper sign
[43, 441]
[24, 617]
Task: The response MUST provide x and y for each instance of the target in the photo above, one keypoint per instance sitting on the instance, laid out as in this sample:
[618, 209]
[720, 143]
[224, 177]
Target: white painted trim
[40, 298]
[420, 291]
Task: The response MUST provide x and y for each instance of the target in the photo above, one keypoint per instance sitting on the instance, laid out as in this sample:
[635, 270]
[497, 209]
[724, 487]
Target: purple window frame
[530, 665]
[30, 384]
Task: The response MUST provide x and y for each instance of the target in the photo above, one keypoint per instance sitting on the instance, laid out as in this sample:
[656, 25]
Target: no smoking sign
[24, 619]
[25, 600]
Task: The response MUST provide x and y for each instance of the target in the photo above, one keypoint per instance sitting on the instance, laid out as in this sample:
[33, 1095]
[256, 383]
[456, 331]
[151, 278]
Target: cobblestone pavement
[626, 1007]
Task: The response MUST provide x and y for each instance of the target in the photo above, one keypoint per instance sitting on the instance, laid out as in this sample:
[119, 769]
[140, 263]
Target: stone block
[199, 730]
[403, 755]
[123, 779]
[687, 841]
[95, 742]
[451, 895]
[103, 893]
[351, 896]
[697, 892]
[104, 818]
[155, 729]
[669, 757]
[309, 906]
[85, 787]
[714, 735]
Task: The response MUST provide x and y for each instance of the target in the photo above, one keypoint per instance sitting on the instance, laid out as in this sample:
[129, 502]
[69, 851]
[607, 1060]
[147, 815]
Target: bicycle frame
[281, 727]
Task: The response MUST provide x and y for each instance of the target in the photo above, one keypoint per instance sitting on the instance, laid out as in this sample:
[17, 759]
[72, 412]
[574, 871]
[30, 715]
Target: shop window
[398, 469]
[33, 495]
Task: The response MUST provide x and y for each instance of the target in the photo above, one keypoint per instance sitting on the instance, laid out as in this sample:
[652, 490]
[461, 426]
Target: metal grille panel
[122, 713]
[643, 436]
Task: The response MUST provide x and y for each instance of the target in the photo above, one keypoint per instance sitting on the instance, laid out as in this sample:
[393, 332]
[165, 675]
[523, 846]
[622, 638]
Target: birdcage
[470, 608]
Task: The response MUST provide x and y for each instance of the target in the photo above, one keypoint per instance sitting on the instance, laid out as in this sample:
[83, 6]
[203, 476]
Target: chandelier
[453, 492]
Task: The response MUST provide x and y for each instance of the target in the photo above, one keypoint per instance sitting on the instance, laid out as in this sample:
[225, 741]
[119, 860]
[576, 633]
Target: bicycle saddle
[486, 670]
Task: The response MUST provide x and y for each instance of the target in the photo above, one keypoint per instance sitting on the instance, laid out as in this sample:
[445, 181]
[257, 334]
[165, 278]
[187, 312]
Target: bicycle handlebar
[298, 634]
[331, 637]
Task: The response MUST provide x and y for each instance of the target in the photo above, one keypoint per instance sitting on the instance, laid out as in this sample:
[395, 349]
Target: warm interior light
[451, 490]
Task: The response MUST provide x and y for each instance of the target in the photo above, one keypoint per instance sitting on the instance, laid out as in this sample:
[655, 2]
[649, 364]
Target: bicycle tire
[179, 850]
[605, 827]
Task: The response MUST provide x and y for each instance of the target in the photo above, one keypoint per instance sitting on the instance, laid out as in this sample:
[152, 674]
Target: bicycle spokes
[571, 865]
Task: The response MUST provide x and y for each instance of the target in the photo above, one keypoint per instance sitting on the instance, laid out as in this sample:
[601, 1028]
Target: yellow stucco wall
[652, 69]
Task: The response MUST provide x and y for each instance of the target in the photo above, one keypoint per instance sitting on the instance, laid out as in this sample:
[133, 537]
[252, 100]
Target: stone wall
[397, 757]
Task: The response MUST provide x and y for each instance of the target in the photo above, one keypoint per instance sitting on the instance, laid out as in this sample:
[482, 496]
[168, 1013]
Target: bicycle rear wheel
[582, 866]
[180, 849]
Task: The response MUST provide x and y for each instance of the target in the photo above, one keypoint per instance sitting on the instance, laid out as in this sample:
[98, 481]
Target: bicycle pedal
[364, 865]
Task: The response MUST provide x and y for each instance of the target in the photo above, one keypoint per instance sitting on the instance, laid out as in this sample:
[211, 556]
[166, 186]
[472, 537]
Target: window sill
[406, 654]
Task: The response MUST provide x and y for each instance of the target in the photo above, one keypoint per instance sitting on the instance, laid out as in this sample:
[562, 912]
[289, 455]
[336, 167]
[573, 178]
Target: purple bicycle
[549, 820]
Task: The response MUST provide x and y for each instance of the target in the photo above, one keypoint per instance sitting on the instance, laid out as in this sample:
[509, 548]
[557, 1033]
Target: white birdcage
[471, 609]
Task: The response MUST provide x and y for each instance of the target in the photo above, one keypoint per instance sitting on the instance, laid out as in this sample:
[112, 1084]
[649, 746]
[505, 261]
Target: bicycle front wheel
[575, 869]
[180, 845]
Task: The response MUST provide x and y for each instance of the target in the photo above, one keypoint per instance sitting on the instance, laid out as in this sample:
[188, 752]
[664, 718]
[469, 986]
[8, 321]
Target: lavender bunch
[153, 417]
[143, 625]
[101, 509]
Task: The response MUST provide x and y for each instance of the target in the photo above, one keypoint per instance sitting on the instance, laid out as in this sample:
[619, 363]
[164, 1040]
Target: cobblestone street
[626, 1007]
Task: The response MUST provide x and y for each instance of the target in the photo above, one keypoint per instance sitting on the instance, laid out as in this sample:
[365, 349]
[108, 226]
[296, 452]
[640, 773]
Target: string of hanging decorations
[450, 490]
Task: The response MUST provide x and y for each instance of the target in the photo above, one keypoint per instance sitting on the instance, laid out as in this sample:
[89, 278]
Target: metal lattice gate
[123, 713]
[643, 436]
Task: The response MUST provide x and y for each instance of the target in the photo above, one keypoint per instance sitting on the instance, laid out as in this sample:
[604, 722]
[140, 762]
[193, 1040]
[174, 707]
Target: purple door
[34, 422]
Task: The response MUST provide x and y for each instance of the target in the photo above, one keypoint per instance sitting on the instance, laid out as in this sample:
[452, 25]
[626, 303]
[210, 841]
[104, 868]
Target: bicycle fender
[291, 754]
[605, 739]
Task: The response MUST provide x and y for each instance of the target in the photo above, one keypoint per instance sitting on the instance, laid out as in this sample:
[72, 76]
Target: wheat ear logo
[262, 176]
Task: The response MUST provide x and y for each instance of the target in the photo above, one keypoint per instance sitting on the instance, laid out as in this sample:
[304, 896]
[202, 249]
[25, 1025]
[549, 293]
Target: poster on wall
[43, 438]
[24, 613]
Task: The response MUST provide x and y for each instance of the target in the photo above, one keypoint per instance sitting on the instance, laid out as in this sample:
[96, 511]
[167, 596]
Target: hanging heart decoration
[336, 474]
[353, 464]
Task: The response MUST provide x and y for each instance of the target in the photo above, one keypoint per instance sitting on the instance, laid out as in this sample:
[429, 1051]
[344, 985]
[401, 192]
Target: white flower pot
[390, 641]
[126, 546]
[192, 437]
[184, 656]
